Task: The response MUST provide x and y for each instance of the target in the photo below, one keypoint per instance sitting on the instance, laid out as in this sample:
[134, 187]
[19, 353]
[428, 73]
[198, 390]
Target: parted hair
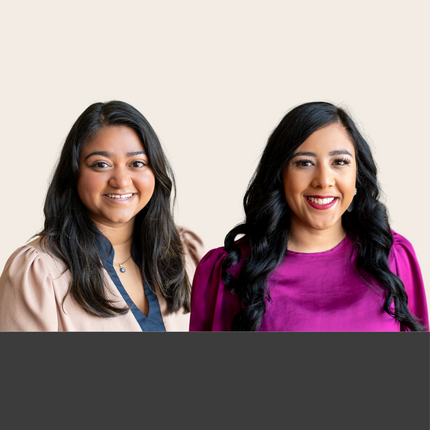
[71, 236]
[267, 220]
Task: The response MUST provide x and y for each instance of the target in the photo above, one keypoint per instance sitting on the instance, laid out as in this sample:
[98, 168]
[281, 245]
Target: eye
[342, 161]
[100, 165]
[303, 163]
[138, 164]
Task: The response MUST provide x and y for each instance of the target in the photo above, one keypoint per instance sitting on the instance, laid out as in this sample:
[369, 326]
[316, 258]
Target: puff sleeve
[194, 250]
[405, 265]
[27, 299]
[213, 307]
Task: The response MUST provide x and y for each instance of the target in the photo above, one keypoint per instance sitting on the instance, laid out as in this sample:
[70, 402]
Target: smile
[321, 203]
[120, 196]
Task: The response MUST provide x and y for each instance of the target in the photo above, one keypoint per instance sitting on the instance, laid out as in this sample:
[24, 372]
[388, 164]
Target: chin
[120, 219]
[320, 226]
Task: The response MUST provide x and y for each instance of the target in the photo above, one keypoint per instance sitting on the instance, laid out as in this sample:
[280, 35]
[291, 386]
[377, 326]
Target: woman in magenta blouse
[317, 252]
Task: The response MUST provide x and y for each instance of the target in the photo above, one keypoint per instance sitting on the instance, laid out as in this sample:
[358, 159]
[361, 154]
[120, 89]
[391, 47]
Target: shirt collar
[107, 252]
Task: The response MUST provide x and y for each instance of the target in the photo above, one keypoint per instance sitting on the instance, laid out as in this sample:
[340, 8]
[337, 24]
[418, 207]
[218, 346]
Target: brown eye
[138, 164]
[100, 165]
[342, 161]
[303, 163]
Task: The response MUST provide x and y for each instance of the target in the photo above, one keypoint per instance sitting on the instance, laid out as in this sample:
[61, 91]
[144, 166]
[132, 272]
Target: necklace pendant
[120, 265]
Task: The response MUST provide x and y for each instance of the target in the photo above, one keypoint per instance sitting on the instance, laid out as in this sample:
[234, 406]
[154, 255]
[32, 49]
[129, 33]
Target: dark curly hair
[267, 219]
[71, 236]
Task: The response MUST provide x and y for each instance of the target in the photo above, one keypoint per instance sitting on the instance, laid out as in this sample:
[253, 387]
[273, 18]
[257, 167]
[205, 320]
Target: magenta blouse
[310, 292]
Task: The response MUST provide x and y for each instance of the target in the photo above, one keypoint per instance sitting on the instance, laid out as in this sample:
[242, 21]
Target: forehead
[329, 138]
[117, 140]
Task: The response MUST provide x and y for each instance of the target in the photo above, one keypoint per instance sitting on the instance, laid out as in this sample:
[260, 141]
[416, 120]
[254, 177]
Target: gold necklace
[122, 269]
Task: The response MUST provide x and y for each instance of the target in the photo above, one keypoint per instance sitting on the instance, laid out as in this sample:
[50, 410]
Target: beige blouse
[34, 283]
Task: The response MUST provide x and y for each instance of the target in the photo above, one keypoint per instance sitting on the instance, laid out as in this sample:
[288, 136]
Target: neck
[312, 241]
[121, 239]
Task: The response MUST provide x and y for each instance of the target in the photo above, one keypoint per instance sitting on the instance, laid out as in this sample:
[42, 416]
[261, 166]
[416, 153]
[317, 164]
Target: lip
[322, 207]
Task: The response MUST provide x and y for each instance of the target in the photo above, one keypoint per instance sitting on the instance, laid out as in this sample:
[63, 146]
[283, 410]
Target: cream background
[214, 78]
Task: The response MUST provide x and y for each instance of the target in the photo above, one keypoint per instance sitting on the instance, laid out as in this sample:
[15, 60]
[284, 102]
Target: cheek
[88, 184]
[293, 187]
[147, 183]
[349, 182]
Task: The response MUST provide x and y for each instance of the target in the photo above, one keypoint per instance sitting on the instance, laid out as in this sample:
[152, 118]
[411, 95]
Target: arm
[27, 300]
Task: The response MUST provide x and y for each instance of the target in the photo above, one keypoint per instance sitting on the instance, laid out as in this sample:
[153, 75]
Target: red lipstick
[322, 207]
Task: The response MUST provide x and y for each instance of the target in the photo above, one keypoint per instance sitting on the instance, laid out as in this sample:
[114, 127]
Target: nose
[323, 177]
[120, 178]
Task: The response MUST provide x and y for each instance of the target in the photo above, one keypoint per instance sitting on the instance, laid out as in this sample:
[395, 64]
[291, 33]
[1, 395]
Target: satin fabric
[310, 292]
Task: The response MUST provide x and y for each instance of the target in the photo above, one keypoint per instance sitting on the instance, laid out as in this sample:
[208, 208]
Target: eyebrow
[110, 154]
[312, 154]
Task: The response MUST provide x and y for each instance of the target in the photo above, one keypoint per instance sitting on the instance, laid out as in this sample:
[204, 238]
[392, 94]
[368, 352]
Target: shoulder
[400, 241]
[404, 264]
[212, 262]
[208, 275]
[403, 260]
[31, 264]
[402, 253]
[194, 249]
[215, 257]
[34, 255]
[213, 306]
[27, 289]
[192, 242]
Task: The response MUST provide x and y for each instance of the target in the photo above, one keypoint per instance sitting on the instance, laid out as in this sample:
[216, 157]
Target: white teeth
[119, 196]
[321, 201]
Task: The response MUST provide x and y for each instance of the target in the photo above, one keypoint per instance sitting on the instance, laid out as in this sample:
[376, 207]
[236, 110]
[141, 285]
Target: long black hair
[71, 236]
[267, 219]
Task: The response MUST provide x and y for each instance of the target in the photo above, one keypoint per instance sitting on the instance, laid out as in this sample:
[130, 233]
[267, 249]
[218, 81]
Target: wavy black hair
[267, 219]
[71, 236]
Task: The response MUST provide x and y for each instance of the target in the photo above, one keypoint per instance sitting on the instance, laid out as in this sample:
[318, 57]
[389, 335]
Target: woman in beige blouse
[110, 256]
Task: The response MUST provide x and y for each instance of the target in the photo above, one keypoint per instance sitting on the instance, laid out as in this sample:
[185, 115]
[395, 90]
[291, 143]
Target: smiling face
[115, 181]
[319, 181]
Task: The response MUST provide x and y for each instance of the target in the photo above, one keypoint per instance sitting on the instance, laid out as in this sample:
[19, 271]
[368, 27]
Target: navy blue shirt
[152, 322]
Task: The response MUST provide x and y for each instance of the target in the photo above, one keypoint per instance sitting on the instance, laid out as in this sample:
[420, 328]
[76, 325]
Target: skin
[323, 165]
[115, 163]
